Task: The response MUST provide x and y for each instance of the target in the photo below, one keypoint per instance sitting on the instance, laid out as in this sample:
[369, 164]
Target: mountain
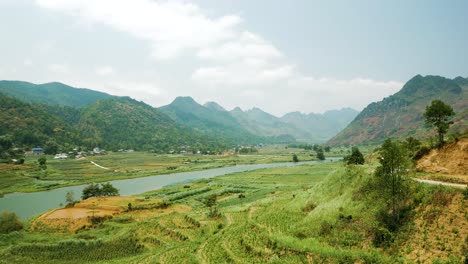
[117, 123]
[212, 120]
[51, 93]
[214, 106]
[401, 114]
[33, 125]
[321, 127]
[258, 122]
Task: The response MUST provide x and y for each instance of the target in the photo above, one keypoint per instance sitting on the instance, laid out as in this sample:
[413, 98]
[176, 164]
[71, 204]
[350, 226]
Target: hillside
[51, 93]
[33, 125]
[451, 161]
[126, 123]
[212, 120]
[321, 127]
[401, 114]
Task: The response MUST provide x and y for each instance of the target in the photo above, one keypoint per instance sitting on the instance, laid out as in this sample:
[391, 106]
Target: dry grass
[441, 231]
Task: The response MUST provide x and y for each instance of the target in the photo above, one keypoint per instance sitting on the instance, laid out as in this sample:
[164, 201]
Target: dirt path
[455, 185]
[97, 165]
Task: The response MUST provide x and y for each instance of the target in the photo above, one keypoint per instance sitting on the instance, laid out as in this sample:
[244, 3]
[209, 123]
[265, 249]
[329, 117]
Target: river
[26, 205]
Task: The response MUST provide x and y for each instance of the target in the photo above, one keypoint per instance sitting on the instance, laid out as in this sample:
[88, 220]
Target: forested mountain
[51, 93]
[33, 125]
[401, 114]
[117, 123]
[212, 120]
[321, 127]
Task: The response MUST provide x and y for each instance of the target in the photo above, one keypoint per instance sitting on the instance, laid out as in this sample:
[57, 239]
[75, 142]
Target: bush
[9, 222]
[310, 205]
[382, 237]
[356, 157]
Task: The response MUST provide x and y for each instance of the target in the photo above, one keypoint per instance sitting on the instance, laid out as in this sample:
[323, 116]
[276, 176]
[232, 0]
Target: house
[37, 151]
[61, 156]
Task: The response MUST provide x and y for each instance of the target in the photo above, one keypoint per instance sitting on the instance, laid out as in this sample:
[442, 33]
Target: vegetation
[439, 115]
[9, 222]
[355, 157]
[392, 179]
[295, 158]
[320, 154]
[319, 213]
[94, 190]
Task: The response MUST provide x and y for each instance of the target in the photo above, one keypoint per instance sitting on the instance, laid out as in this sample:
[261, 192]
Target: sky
[280, 56]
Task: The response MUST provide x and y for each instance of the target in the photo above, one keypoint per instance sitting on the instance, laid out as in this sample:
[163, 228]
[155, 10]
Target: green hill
[212, 120]
[401, 114]
[32, 125]
[51, 93]
[122, 123]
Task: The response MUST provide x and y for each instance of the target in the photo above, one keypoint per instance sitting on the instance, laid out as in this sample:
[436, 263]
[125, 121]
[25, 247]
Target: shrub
[310, 205]
[9, 222]
[382, 237]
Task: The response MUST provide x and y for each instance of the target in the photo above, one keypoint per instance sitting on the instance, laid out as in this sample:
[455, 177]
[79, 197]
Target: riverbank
[26, 205]
[30, 177]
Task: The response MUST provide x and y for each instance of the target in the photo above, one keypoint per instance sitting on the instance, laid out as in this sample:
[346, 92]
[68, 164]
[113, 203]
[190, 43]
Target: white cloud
[27, 63]
[235, 66]
[170, 26]
[104, 70]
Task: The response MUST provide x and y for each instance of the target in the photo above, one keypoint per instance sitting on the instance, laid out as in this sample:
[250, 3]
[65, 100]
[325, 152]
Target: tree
[392, 176]
[70, 198]
[356, 157]
[439, 115]
[9, 222]
[108, 190]
[294, 158]
[91, 190]
[94, 190]
[42, 162]
[320, 154]
[327, 148]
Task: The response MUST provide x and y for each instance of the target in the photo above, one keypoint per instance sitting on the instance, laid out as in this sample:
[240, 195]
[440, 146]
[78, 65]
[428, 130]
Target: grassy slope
[275, 222]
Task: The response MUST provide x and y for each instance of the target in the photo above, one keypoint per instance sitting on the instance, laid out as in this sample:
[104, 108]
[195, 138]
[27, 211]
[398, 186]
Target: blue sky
[281, 56]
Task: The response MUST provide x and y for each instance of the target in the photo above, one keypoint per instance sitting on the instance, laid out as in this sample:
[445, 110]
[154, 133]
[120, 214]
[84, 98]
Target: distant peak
[237, 109]
[183, 99]
[214, 106]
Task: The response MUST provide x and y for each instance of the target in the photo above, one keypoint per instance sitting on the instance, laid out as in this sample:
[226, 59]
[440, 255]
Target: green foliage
[439, 115]
[70, 198]
[51, 93]
[392, 179]
[79, 250]
[9, 222]
[320, 154]
[355, 157]
[94, 190]
[295, 158]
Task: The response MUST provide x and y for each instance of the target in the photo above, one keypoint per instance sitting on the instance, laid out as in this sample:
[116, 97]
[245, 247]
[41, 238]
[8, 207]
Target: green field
[303, 214]
[59, 173]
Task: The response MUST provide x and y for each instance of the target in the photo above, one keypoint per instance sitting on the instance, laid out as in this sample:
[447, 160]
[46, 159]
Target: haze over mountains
[401, 115]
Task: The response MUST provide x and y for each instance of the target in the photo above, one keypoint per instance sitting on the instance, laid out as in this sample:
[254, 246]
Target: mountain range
[37, 113]
[401, 114]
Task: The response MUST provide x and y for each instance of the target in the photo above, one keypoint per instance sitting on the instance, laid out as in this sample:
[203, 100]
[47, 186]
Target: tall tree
[392, 176]
[439, 115]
